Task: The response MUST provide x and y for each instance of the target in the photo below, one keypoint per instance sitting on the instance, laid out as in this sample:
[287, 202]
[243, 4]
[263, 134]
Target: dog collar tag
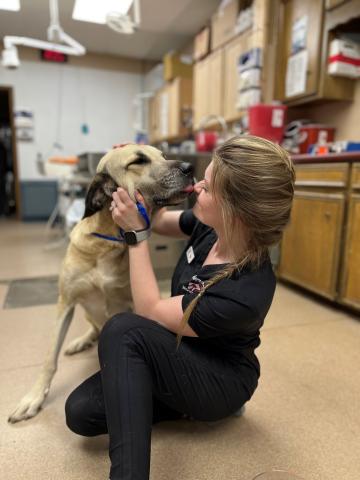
[190, 254]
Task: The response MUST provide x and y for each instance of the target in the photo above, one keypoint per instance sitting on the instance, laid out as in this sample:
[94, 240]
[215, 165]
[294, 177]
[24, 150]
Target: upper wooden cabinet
[307, 20]
[232, 52]
[170, 109]
[180, 106]
[208, 87]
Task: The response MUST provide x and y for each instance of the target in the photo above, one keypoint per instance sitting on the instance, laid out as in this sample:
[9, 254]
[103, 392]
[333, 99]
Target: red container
[314, 133]
[267, 121]
[206, 141]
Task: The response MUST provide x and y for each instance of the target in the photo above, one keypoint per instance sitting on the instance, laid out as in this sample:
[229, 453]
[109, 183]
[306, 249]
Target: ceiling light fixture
[115, 13]
[12, 5]
[55, 33]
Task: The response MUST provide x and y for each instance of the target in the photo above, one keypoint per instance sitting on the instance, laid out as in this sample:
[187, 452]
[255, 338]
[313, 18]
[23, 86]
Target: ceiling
[165, 25]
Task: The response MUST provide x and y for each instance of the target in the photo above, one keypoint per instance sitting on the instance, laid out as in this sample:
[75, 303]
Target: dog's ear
[99, 193]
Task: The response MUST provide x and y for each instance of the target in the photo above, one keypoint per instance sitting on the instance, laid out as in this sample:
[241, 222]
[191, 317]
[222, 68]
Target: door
[9, 182]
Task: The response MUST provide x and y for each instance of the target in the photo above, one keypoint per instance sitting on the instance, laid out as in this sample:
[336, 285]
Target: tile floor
[304, 416]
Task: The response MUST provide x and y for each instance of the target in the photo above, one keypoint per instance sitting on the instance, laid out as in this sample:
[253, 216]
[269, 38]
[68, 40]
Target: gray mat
[29, 292]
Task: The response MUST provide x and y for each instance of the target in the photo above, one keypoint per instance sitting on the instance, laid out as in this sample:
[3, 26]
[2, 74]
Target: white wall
[62, 98]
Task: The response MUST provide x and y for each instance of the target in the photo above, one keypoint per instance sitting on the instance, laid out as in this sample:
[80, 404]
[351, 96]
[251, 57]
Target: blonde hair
[253, 181]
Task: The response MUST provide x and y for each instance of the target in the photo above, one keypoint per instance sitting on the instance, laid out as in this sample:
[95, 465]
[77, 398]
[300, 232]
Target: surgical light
[55, 33]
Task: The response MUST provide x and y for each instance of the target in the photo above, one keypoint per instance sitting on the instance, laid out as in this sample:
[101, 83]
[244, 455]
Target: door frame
[9, 91]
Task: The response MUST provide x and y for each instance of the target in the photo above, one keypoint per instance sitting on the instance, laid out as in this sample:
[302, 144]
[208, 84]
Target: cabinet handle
[327, 215]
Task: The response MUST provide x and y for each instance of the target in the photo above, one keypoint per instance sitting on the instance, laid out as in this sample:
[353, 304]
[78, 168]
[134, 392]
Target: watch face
[130, 238]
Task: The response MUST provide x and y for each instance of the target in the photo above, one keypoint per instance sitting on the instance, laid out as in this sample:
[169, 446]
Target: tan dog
[95, 272]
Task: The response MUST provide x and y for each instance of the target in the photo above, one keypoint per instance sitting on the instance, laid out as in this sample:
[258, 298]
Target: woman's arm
[144, 287]
[146, 295]
[166, 222]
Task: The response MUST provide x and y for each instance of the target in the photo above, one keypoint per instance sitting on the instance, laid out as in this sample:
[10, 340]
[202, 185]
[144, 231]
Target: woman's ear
[99, 193]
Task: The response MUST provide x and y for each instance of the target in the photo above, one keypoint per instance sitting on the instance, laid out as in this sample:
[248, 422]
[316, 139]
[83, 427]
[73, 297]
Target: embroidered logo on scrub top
[194, 286]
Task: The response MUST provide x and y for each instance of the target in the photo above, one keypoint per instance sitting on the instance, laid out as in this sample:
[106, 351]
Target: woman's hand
[124, 211]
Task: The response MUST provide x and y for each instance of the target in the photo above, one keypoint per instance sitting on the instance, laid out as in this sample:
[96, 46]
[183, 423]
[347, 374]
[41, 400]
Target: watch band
[134, 237]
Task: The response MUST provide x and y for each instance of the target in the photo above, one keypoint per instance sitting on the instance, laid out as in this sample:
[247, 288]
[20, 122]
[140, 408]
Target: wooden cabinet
[350, 282]
[154, 118]
[169, 109]
[311, 245]
[208, 87]
[180, 105]
[244, 43]
[309, 16]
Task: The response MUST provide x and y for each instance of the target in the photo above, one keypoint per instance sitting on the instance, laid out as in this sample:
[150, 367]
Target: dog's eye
[141, 159]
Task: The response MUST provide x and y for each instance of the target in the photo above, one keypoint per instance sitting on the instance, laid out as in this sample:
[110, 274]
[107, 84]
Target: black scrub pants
[144, 380]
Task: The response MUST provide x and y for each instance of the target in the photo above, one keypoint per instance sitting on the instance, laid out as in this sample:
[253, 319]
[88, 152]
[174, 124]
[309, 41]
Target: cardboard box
[175, 67]
[202, 44]
[223, 24]
[344, 58]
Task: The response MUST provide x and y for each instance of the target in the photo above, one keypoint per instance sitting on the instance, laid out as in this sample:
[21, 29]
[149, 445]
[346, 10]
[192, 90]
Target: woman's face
[207, 208]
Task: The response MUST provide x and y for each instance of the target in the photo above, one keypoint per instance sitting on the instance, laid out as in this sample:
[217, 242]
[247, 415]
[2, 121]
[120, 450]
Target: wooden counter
[320, 250]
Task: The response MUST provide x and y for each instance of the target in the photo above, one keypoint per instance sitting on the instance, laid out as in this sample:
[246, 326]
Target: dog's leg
[84, 342]
[31, 403]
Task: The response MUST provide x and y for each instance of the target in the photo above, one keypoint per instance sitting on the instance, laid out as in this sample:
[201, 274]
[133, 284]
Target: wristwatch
[134, 237]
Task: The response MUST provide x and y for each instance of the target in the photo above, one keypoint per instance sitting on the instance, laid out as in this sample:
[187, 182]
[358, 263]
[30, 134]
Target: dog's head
[139, 167]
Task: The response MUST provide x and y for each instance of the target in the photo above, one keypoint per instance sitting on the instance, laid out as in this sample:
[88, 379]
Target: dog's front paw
[28, 406]
[79, 345]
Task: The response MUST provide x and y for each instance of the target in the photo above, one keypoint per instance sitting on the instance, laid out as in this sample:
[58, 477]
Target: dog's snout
[186, 168]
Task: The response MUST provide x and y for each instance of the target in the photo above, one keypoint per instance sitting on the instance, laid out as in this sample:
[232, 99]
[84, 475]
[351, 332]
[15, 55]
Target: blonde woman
[190, 355]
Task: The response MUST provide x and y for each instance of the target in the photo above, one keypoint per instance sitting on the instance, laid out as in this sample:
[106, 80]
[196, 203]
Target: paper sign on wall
[296, 69]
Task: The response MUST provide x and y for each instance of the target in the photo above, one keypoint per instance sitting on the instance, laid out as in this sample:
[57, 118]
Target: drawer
[322, 175]
[165, 253]
[355, 176]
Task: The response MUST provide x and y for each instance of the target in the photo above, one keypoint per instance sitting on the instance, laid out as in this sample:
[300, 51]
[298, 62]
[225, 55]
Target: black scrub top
[229, 315]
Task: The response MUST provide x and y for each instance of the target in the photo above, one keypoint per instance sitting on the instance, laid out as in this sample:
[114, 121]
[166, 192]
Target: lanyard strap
[121, 239]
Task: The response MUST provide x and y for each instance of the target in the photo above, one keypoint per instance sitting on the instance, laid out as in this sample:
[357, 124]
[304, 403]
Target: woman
[190, 355]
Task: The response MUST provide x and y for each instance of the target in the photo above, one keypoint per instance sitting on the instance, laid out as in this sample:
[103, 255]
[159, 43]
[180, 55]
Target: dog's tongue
[189, 189]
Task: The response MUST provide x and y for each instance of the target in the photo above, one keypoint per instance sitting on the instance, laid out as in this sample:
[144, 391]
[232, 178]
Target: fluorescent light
[96, 10]
[13, 5]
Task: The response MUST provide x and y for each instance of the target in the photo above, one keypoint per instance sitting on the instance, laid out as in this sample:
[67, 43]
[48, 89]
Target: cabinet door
[174, 108]
[350, 291]
[216, 83]
[311, 243]
[310, 13]
[154, 118]
[163, 109]
[232, 53]
[242, 44]
[201, 91]
[180, 103]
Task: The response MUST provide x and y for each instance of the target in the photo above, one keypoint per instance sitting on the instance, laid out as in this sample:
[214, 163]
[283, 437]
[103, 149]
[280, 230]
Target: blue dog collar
[121, 239]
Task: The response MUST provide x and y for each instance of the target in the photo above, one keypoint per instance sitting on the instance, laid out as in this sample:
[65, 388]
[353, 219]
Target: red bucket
[267, 121]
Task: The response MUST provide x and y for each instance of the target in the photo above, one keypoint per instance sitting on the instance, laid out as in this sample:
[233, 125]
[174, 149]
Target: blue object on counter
[352, 147]
[337, 147]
